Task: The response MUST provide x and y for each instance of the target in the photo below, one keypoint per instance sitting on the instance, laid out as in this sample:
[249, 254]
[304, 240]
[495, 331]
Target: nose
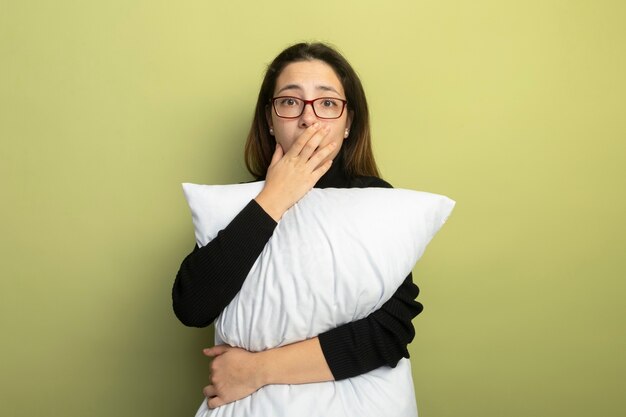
[308, 117]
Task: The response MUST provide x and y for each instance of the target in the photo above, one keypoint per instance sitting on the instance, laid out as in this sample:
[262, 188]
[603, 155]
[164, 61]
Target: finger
[313, 143]
[209, 391]
[322, 169]
[297, 146]
[215, 402]
[215, 350]
[318, 158]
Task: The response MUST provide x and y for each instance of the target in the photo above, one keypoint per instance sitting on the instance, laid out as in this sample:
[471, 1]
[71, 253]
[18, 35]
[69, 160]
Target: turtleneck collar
[336, 176]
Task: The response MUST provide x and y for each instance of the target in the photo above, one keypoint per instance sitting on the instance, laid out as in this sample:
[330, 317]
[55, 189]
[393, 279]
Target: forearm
[211, 276]
[379, 339]
[349, 350]
[297, 363]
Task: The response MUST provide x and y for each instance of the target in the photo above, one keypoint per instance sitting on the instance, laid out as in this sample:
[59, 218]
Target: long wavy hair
[356, 151]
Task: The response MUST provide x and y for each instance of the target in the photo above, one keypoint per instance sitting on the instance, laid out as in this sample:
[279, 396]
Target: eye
[329, 103]
[288, 102]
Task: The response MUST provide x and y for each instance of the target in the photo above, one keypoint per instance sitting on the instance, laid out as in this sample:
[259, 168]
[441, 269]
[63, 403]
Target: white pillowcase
[335, 257]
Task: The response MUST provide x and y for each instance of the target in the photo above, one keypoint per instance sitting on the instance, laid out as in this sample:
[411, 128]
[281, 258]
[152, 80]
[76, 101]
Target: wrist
[270, 206]
[264, 368]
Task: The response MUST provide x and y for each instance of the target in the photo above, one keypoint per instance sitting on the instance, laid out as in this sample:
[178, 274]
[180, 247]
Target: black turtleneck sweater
[211, 276]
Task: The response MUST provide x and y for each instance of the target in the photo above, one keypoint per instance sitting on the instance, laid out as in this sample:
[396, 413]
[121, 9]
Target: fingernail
[316, 125]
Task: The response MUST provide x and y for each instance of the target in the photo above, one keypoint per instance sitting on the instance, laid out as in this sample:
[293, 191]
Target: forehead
[308, 76]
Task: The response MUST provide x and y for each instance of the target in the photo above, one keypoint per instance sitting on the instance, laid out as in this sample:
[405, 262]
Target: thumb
[215, 350]
[278, 153]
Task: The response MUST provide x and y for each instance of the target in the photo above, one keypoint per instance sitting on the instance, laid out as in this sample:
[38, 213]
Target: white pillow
[335, 257]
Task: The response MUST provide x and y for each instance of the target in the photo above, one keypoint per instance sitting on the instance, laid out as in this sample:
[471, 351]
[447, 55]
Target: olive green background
[515, 109]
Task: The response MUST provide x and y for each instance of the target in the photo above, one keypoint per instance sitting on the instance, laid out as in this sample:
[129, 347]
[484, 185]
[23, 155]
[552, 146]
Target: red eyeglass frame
[343, 108]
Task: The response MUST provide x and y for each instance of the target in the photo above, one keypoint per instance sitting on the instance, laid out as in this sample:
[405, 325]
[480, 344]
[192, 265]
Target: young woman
[310, 129]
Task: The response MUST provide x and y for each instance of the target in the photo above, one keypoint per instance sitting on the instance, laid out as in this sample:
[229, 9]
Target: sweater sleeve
[376, 340]
[211, 276]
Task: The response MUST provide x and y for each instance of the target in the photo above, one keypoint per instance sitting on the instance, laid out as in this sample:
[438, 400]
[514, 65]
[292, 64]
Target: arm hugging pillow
[335, 257]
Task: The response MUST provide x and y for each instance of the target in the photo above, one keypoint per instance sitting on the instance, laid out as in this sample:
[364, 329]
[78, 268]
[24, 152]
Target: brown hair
[356, 152]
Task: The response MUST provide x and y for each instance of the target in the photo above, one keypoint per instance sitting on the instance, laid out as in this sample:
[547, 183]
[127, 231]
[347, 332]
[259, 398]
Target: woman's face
[309, 80]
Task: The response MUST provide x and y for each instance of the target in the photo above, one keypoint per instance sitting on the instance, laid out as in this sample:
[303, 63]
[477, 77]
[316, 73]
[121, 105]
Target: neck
[336, 176]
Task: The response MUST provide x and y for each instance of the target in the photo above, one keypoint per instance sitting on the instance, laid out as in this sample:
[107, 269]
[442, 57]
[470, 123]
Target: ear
[268, 116]
[349, 119]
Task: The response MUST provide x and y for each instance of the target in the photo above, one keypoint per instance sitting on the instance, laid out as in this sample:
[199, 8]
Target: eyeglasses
[289, 107]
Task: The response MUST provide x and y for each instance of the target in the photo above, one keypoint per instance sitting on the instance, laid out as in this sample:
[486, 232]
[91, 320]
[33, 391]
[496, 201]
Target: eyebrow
[318, 87]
